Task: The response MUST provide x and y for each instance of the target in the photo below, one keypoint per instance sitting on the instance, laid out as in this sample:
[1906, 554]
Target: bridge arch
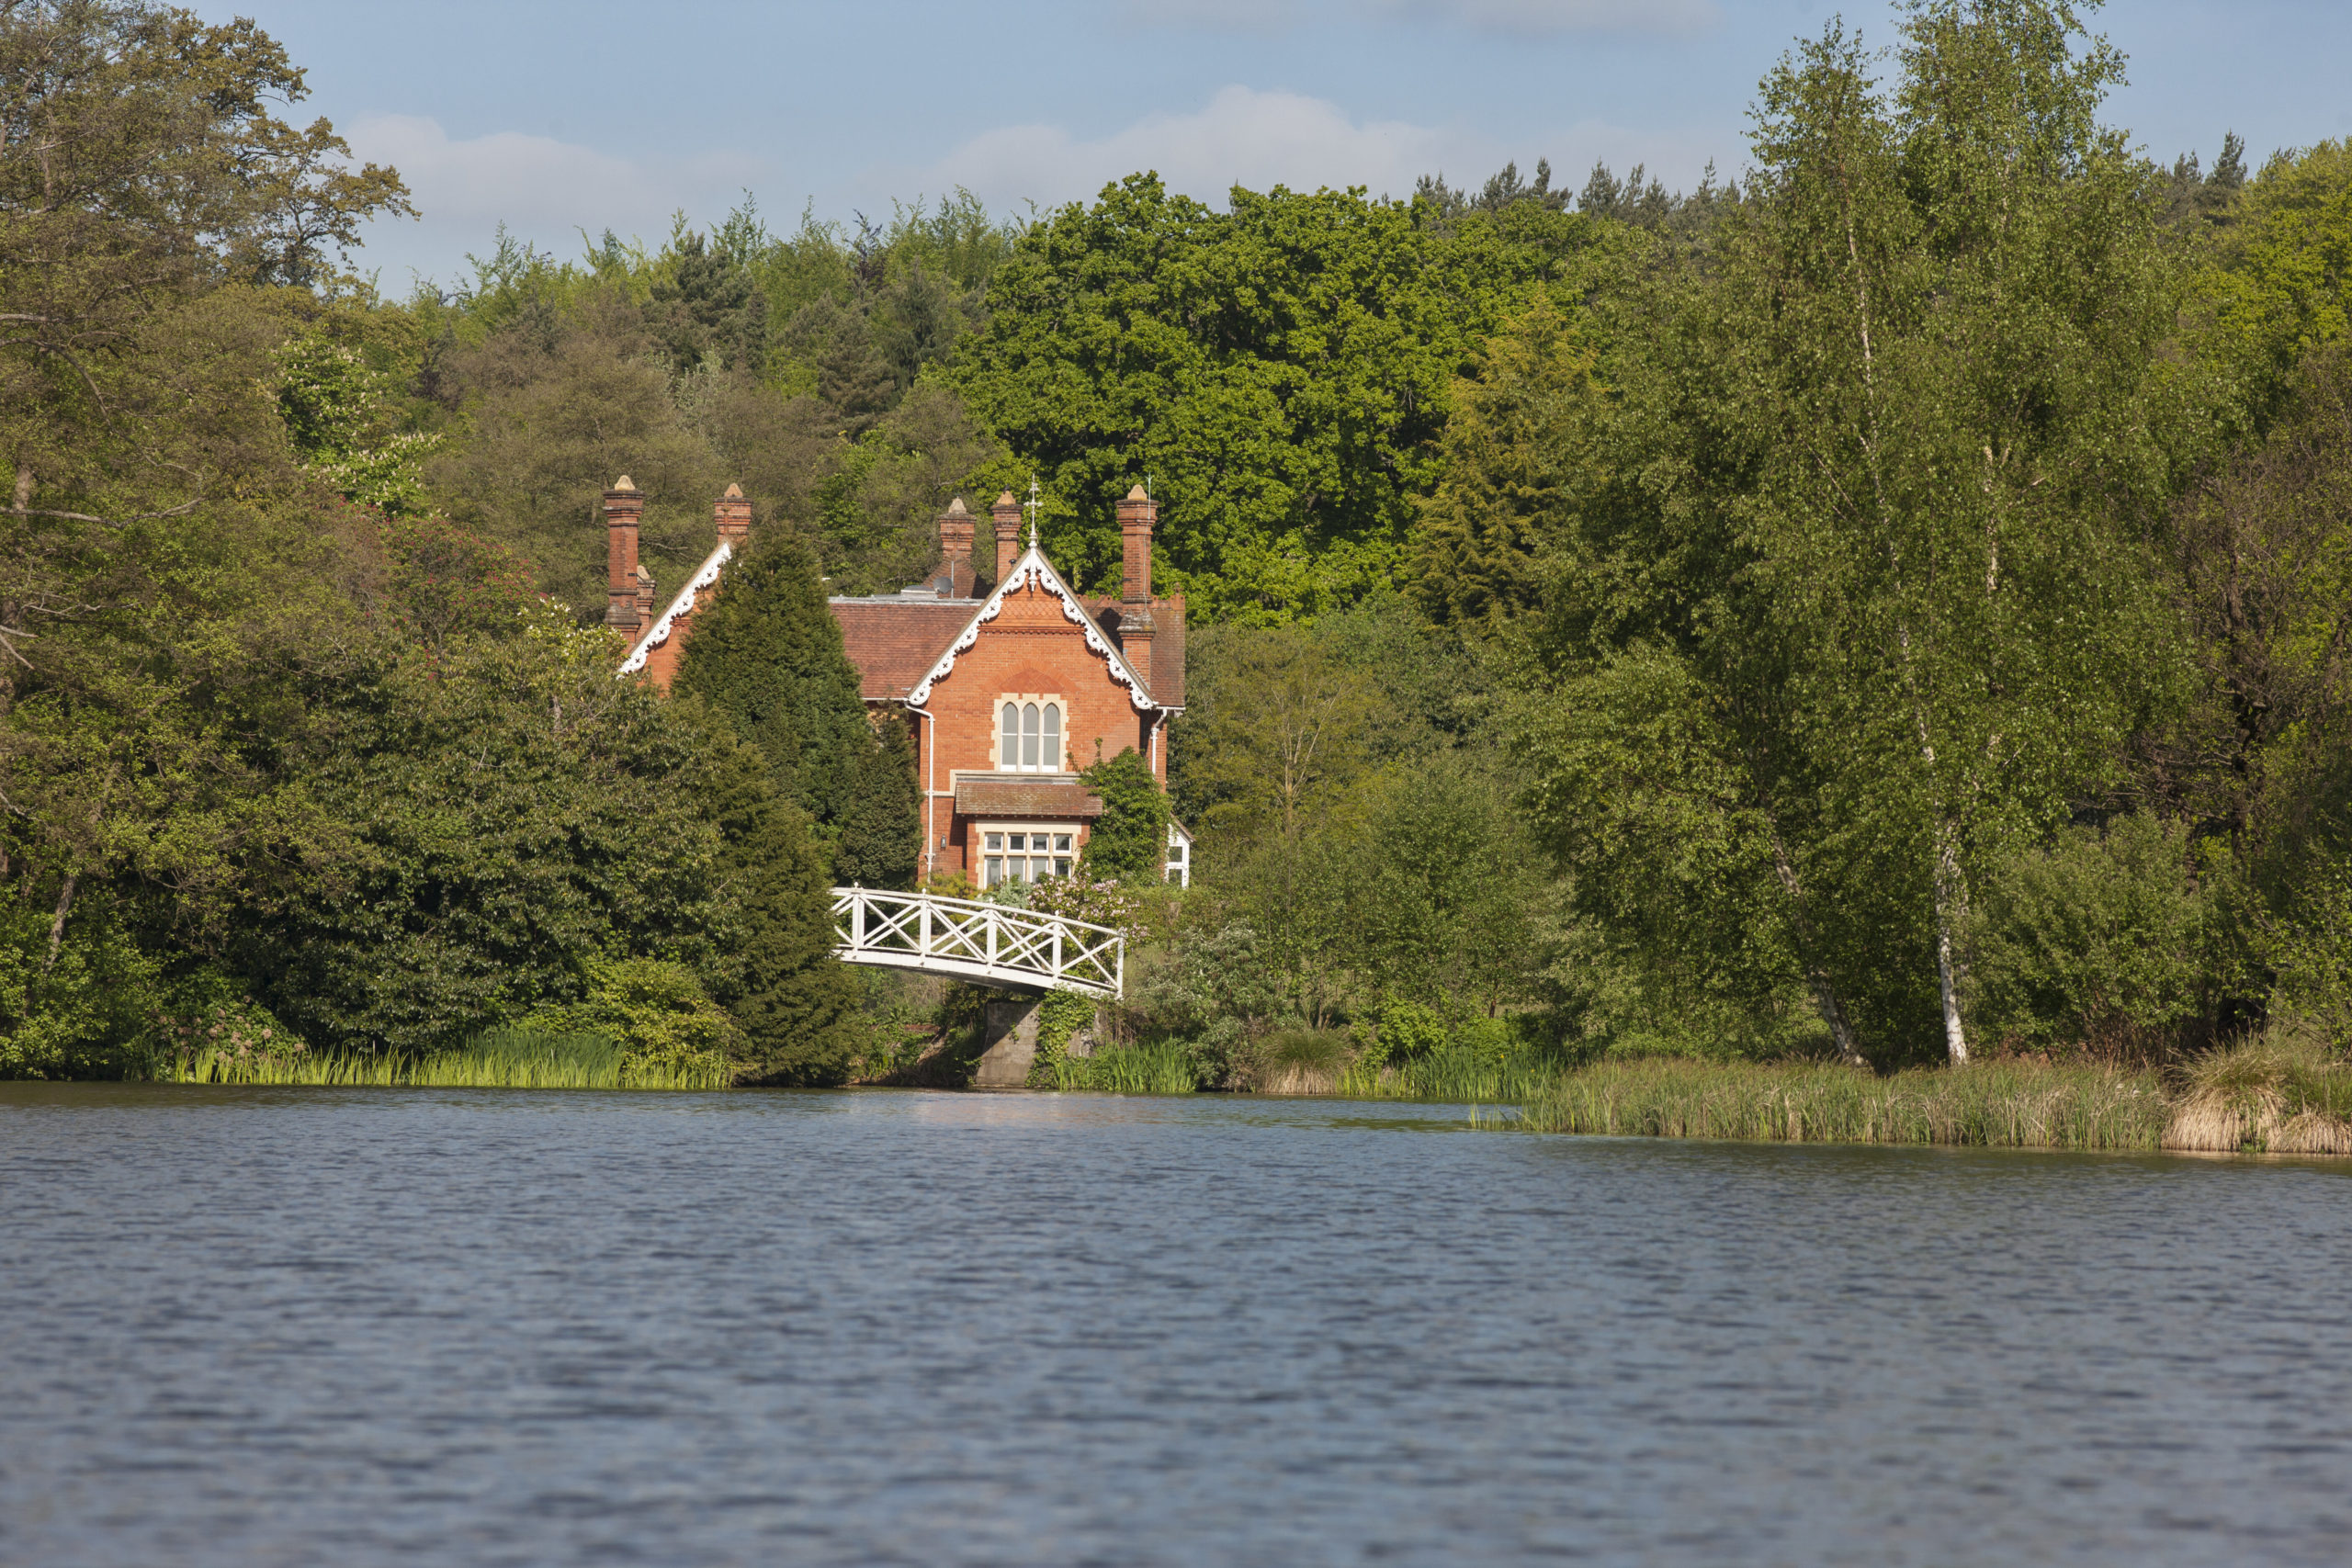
[968, 939]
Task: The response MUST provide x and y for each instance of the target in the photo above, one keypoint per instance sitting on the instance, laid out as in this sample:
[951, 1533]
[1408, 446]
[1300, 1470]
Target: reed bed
[1128, 1069]
[1998, 1105]
[496, 1059]
[1451, 1078]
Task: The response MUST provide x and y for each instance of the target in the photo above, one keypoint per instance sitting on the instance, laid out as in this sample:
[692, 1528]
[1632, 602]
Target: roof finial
[1034, 504]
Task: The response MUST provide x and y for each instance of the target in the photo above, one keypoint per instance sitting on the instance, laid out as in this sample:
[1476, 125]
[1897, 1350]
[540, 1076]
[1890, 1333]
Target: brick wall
[1031, 647]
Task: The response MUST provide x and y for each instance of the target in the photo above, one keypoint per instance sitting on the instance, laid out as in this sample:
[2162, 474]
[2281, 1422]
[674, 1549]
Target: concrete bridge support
[1009, 1041]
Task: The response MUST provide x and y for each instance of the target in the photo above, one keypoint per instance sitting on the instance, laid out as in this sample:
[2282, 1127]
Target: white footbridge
[992, 944]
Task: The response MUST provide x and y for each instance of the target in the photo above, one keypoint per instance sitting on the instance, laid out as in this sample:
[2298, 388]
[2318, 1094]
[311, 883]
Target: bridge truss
[993, 945]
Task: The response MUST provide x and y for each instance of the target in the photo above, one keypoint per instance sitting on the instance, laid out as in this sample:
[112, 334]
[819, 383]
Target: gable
[1033, 571]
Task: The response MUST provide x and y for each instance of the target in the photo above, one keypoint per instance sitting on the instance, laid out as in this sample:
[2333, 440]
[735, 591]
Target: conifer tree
[767, 658]
[791, 997]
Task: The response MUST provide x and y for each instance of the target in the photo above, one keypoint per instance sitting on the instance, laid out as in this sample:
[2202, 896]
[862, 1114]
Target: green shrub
[655, 1012]
[2101, 942]
[1129, 840]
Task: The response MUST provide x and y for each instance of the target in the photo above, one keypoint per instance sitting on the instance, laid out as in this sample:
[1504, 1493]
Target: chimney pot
[956, 529]
[1007, 513]
[732, 515]
[624, 509]
[1137, 515]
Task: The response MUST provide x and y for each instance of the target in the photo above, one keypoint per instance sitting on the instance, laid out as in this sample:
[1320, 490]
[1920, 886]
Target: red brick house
[1010, 683]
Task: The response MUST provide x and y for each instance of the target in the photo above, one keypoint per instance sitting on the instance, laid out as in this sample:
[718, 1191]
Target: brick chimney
[624, 507]
[644, 597]
[1007, 513]
[733, 515]
[1137, 515]
[956, 549]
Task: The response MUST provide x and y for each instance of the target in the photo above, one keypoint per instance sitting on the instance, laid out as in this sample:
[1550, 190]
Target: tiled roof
[1010, 795]
[894, 642]
[895, 639]
[1167, 643]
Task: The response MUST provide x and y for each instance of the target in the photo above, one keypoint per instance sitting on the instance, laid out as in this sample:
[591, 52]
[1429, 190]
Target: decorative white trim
[1032, 566]
[683, 605]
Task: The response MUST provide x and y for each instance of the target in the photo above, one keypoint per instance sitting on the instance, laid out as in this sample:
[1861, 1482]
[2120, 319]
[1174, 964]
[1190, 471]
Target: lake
[259, 1326]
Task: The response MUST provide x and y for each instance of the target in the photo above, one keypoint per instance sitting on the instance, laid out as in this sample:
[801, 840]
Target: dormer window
[1029, 739]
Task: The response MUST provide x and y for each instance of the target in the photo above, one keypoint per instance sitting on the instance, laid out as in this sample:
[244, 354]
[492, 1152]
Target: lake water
[269, 1326]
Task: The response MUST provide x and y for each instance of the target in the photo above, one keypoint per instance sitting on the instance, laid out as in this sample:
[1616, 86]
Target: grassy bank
[500, 1059]
[1993, 1106]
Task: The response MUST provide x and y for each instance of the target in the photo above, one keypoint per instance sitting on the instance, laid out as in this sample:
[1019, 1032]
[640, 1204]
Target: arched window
[1009, 747]
[1029, 738]
[1050, 759]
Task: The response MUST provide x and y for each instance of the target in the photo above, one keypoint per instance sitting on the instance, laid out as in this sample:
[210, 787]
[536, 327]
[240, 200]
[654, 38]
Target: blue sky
[588, 113]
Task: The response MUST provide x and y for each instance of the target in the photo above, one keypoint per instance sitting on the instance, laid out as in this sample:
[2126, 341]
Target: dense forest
[1893, 605]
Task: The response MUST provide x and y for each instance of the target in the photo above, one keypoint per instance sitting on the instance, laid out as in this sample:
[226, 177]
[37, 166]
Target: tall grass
[1453, 1078]
[502, 1059]
[1128, 1069]
[2283, 1093]
[1998, 1105]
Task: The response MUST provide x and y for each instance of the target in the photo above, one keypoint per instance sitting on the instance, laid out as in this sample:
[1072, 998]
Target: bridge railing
[973, 939]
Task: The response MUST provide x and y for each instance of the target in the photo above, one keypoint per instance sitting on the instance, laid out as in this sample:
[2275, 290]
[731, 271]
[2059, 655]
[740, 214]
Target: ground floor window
[1027, 851]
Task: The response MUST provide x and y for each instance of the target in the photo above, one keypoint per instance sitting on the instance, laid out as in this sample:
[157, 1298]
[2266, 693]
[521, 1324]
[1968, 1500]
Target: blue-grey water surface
[299, 1326]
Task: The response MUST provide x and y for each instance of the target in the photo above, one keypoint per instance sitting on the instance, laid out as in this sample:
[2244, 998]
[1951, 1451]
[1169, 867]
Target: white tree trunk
[1951, 898]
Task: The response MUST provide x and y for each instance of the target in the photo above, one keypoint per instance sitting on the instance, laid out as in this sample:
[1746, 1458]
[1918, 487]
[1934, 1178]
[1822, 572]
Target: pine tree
[709, 307]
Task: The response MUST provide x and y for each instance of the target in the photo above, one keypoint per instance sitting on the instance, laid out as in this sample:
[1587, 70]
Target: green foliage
[1060, 1015]
[1164, 1069]
[880, 840]
[2102, 943]
[1129, 840]
[767, 661]
[2313, 950]
[1279, 372]
[654, 1011]
[1857, 599]
[80, 1006]
[1513, 461]
[343, 414]
[797, 1006]
[2282, 282]
[510, 813]
[707, 308]
[1985, 1106]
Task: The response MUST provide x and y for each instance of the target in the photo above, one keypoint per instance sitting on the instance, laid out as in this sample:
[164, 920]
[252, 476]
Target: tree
[1870, 512]
[509, 812]
[766, 657]
[1130, 839]
[708, 310]
[1511, 464]
[793, 999]
[2282, 282]
[1280, 373]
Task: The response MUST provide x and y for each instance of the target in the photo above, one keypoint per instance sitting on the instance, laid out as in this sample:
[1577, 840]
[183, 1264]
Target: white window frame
[999, 763]
[1064, 861]
[1176, 865]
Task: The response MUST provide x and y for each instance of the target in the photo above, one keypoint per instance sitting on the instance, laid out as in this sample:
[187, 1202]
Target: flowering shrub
[1097, 903]
[241, 1028]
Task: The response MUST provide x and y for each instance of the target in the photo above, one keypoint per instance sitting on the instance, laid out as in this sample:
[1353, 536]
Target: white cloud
[1258, 140]
[542, 188]
[1241, 137]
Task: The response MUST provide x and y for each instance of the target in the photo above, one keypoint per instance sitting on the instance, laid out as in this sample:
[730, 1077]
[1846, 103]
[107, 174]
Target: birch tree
[1871, 512]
